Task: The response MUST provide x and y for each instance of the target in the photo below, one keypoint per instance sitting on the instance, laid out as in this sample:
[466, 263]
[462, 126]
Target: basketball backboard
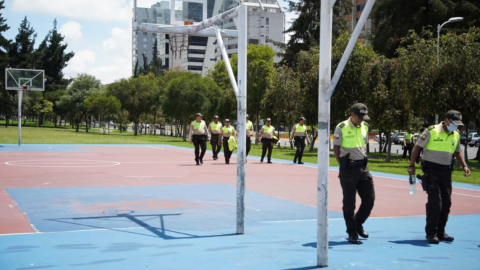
[182, 11]
[21, 79]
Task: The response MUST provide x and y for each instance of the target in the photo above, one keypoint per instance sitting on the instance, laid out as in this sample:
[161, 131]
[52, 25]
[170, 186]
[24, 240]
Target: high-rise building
[198, 54]
[354, 16]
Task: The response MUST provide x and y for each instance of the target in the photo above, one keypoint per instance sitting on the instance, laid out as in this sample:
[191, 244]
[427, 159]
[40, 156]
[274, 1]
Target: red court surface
[124, 166]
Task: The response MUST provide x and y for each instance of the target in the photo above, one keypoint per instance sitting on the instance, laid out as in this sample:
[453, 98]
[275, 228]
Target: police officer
[300, 135]
[266, 133]
[440, 143]
[226, 132]
[408, 144]
[349, 148]
[249, 127]
[214, 129]
[199, 137]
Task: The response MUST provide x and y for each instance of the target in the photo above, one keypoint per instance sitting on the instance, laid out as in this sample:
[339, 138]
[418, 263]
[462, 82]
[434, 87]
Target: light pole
[453, 19]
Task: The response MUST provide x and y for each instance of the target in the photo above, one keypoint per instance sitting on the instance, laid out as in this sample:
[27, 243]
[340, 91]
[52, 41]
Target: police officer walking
[249, 127]
[300, 135]
[440, 143]
[266, 133]
[199, 137]
[349, 148]
[226, 132]
[408, 144]
[214, 130]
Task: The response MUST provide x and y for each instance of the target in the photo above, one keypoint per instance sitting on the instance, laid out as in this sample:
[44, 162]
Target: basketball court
[149, 206]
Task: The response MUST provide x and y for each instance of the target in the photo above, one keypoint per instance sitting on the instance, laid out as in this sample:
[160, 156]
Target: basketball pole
[20, 97]
[325, 66]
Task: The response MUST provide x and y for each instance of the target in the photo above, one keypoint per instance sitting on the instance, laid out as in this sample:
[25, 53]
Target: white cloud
[96, 10]
[72, 31]
[80, 63]
[110, 64]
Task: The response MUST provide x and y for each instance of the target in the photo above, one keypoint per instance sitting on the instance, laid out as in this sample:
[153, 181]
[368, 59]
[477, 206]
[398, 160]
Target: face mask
[452, 127]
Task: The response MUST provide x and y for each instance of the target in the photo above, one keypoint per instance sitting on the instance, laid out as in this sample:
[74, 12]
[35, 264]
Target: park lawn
[67, 135]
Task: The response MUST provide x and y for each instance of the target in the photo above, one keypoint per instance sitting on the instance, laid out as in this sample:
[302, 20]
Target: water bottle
[412, 185]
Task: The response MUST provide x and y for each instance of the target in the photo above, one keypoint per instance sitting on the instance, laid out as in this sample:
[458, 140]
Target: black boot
[353, 238]
[445, 237]
[295, 159]
[432, 239]
[196, 161]
[300, 161]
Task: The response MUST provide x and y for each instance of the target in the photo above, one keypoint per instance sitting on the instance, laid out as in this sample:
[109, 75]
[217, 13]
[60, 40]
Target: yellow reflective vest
[353, 137]
[441, 141]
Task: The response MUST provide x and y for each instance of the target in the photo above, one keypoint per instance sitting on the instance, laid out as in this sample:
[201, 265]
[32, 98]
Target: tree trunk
[184, 135]
[314, 138]
[290, 135]
[78, 126]
[389, 146]
[257, 139]
[466, 150]
[86, 123]
[25, 121]
[154, 123]
[55, 117]
[135, 125]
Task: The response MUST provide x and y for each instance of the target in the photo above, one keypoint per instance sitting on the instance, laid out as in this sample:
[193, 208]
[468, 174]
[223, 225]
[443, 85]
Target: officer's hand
[190, 141]
[290, 140]
[466, 170]
[411, 171]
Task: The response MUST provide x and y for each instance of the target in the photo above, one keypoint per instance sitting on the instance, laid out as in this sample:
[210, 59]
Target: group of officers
[439, 143]
[217, 134]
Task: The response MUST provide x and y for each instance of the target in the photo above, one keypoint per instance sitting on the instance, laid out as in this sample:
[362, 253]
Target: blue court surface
[193, 226]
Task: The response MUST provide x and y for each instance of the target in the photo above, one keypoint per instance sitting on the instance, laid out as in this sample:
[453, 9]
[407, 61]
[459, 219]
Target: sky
[97, 31]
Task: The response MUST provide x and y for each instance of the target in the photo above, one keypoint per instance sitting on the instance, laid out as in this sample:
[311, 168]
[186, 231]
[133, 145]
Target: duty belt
[355, 163]
[436, 166]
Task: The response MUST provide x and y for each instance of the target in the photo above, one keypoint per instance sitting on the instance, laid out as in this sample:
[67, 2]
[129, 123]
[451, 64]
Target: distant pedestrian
[228, 133]
[249, 127]
[214, 130]
[267, 134]
[408, 144]
[300, 135]
[198, 135]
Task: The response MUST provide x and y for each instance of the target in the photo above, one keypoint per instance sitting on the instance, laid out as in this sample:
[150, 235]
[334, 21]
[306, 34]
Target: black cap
[215, 117]
[455, 117]
[227, 120]
[361, 110]
[302, 118]
[198, 114]
[268, 120]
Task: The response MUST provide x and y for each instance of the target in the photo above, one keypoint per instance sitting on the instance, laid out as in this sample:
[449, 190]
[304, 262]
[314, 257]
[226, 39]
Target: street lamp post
[453, 19]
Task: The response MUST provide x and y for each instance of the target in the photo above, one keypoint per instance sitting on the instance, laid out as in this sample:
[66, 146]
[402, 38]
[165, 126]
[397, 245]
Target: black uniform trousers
[300, 145]
[353, 180]
[267, 144]
[439, 198]
[200, 141]
[216, 148]
[408, 148]
[249, 145]
[226, 150]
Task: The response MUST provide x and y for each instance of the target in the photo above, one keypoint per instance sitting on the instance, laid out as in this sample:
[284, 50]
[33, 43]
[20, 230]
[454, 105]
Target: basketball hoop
[26, 87]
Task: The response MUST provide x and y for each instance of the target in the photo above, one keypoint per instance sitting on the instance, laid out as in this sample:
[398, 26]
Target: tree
[6, 98]
[228, 103]
[104, 107]
[305, 30]
[190, 93]
[156, 63]
[73, 102]
[135, 95]
[394, 18]
[54, 59]
[388, 104]
[348, 90]
[283, 97]
[42, 107]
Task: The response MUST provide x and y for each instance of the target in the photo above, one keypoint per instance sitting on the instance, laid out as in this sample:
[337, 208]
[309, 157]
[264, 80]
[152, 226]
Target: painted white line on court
[162, 176]
[61, 163]
[468, 195]
[246, 206]
[155, 147]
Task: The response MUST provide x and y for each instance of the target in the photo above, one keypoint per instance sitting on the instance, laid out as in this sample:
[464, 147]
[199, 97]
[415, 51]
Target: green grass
[67, 135]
